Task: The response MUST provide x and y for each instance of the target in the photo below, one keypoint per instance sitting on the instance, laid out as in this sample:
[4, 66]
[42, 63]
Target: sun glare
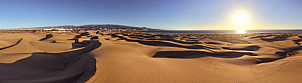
[241, 21]
[241, 18]
[240, 31]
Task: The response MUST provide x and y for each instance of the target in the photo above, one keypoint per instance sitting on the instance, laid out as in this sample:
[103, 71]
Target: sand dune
[198, 54]
[137, 57]
[62, 67]
[247, 48]
[12, 45]
[133, 62]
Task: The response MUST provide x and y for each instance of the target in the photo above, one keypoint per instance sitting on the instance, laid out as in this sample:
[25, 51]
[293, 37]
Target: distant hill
[103, 27]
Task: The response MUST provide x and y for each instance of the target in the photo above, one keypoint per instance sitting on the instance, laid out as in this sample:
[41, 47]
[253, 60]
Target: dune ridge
[139, 57]
[64, 67]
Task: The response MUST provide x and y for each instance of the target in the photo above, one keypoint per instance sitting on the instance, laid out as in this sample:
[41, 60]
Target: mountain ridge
[94, 26]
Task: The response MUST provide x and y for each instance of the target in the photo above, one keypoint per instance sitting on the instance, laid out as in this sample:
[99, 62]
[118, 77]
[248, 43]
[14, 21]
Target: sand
[136, 57]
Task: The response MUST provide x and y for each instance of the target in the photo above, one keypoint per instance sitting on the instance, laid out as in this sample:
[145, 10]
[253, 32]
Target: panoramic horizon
[150, 41]
[158, 28]
[167, 15]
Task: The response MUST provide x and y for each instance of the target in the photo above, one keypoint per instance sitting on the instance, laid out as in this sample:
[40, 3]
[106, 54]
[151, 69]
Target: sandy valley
[138, 57]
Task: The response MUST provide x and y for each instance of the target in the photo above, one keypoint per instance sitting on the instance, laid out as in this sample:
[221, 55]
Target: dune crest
[73, 66]
[138, 57]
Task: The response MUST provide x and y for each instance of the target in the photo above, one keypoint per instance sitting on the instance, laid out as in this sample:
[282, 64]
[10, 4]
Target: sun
[241, 20]
[240, 31]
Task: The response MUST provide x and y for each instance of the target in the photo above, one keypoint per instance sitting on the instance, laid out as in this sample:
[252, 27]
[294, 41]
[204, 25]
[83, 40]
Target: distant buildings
[71, 28]
[56, 30]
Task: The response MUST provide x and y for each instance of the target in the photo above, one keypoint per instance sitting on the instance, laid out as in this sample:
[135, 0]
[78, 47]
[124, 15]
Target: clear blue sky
[161, 14]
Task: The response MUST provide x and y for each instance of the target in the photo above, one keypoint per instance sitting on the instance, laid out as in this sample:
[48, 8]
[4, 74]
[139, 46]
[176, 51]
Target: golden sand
[135, 57]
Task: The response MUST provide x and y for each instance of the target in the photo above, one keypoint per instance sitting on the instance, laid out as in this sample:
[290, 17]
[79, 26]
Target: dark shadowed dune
[12, 45]
[262, 36]
[198, 54]
[162, 37]
[211, 43]
[266, 60]
[248, 48]
[47, 37]
[281, 55]
[277, 38]
[74, 66]
[161, 43]
[140, 57]
[193, 42]
[272, 38]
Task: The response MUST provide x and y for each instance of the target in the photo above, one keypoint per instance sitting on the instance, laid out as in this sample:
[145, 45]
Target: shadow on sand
[47, 37]
[248, 48]
[161, 43]
[198, 54]
[74, 66]
[12, 45]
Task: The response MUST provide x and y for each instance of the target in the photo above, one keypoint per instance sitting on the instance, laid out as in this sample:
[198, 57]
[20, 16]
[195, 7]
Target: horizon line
[140, 26]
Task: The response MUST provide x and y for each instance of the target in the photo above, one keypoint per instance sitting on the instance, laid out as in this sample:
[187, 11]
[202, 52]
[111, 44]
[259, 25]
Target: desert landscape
[141, 57]
[150, 41]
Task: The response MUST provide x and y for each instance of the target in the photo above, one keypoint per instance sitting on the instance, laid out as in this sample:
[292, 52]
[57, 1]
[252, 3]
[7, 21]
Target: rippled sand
[134, 57]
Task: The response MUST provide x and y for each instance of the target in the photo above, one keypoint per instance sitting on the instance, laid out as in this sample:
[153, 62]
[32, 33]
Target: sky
[158, 14]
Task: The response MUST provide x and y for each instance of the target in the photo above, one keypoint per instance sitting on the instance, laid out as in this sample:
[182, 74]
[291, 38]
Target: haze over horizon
[167, 14]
